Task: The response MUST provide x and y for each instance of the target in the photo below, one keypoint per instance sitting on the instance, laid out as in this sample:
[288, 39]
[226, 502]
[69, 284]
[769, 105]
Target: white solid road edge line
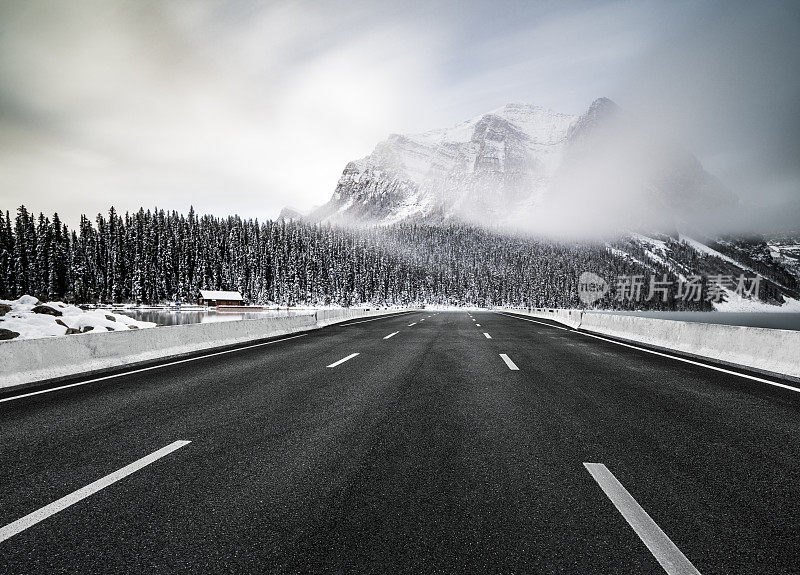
[663, 549]
[532, 320]
[140, 370]
[60, 504]
[675, 357]
[701, 364]
[344, 359]
[487, 335]
[511, 365]
[391, 334]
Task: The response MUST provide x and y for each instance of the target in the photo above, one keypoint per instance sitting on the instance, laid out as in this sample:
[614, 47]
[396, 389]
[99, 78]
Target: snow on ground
[658, 251]
[737, 303]
[701, 247]
[712, 252]
[780, 250]
[22, 319]
[626, 255]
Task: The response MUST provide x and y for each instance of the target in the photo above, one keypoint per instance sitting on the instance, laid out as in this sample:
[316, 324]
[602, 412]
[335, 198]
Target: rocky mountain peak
[601, 113]
[506, 166]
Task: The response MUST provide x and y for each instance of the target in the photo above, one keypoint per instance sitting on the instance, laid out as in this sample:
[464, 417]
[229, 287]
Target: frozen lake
[186, 316]
[776, 320]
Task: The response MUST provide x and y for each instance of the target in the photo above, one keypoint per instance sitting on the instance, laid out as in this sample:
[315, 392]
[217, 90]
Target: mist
[619, 173]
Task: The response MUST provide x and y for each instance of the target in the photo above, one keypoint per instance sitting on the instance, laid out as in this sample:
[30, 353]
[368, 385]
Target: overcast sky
[245, 107]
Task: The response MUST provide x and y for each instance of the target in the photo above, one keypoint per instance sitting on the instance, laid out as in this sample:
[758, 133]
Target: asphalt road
[424, 453]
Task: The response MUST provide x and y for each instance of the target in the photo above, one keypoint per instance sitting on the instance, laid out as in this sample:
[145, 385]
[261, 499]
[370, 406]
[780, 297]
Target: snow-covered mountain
[601, 175]
[491, 162]
[520, 165]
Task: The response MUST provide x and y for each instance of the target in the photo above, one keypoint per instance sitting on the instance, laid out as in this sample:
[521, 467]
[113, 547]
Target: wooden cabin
[212, 298]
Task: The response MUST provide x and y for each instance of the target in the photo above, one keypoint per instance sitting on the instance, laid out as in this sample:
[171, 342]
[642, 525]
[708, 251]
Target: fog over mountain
[525, 167]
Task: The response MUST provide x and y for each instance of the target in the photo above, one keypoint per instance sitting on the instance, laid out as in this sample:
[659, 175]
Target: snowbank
[737, 303]
[33, 319]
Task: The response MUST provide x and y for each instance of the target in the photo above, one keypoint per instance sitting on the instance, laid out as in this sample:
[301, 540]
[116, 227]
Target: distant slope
[684, 256]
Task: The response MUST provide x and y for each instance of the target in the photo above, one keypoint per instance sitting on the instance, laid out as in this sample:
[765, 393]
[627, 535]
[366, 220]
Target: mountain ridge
[518, 164]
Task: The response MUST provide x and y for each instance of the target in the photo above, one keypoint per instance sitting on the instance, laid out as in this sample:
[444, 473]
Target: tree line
[155, 256]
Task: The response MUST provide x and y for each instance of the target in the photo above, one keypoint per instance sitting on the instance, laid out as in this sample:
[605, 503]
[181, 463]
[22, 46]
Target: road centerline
[344, 359]
[43, 513]
[487, 335]
[391, 334]
[660, 545]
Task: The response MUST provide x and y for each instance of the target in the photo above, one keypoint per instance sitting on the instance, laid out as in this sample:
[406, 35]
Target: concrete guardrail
[768, 351]
[23, 362]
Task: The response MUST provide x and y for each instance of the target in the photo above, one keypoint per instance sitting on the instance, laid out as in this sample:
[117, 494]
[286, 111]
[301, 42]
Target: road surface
[448, 442]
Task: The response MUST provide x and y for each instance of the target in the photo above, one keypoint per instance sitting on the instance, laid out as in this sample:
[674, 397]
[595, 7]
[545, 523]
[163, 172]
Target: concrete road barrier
[768, 351]
[29, 361]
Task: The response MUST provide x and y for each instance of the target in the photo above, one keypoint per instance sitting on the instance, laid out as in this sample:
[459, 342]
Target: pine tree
[44, 241]
[58, 271]
[6, 256]
[24, 255]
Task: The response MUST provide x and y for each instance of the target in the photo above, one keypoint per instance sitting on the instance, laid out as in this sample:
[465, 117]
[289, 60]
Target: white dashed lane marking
[344, 359]
[663, 549]
[511, 365]
[60, 504]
